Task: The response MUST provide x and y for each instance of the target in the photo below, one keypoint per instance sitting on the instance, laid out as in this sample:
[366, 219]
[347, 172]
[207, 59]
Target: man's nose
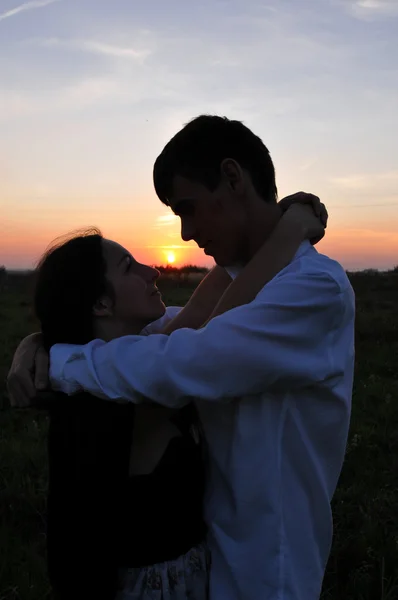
[187, 230]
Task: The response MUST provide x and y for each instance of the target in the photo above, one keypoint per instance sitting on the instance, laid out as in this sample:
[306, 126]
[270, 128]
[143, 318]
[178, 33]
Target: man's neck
[263, 218]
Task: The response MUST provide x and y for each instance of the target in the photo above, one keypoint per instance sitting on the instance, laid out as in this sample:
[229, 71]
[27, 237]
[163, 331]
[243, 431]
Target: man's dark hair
[196, 153]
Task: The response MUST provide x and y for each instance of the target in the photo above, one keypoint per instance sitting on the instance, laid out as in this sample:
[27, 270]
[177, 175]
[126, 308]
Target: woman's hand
[314, 230]
[29, 371]
[298, 222]
[303, 219]
[304, 198]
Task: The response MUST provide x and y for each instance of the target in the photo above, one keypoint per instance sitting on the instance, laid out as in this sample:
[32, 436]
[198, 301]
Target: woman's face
[136, 297]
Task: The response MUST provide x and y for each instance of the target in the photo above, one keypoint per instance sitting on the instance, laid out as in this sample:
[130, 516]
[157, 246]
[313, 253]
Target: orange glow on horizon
[21, 244]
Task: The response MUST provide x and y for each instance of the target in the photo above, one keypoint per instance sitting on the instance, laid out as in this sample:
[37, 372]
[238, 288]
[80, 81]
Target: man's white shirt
[272, 381]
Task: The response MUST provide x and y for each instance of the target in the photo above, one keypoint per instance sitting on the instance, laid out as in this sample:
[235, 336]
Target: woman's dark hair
[70, 278]
[198, 149]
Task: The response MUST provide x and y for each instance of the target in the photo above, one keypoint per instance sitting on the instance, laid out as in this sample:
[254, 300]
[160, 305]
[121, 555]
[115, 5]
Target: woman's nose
[154, 275]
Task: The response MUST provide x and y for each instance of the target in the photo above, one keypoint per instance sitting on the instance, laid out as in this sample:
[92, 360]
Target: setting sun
[171, 258]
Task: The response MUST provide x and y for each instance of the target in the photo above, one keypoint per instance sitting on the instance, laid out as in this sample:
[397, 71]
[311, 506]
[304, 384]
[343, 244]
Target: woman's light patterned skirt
[186, 578]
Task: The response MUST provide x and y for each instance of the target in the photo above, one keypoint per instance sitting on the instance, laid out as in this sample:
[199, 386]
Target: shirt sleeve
[284, 338]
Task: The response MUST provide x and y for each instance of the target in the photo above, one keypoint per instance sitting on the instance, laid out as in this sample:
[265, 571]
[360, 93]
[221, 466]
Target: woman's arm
[297, 224]
[31, 356]
[304, 217]
[202, 302]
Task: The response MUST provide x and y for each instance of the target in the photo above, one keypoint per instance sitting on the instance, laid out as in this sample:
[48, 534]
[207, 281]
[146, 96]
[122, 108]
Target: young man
[272, 379]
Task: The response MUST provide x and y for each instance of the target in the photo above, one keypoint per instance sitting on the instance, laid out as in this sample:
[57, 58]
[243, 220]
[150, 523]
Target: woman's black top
[100, 518]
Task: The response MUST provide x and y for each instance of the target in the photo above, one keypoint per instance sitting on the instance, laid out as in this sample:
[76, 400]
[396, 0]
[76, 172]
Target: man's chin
[222, 263]
[223, 260]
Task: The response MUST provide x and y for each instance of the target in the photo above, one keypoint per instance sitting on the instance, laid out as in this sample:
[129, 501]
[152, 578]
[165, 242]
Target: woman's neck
[108, 330]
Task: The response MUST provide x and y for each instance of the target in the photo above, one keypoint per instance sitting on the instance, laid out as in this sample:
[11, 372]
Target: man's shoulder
[314, 265]
[321, 263]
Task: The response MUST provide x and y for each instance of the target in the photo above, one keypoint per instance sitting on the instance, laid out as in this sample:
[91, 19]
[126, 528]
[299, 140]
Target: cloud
[307, 165]
[369, 9]
[165, 221]
[25, 7]
[378, 5]
[116, 51]
[173, 247]
[367, 182]
[188, 74]
[100, 48]
[15, 103]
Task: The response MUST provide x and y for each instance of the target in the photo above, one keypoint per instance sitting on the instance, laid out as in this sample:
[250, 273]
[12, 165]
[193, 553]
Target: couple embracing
[194, 451]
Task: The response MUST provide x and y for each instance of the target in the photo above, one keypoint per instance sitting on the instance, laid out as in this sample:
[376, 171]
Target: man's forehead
[183, 187]
[184, 190]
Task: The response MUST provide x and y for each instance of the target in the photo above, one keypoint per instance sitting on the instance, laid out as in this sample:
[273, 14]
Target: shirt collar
[234, 270]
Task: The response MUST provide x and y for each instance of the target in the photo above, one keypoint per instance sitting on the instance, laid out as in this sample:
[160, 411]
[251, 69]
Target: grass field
[364, 560]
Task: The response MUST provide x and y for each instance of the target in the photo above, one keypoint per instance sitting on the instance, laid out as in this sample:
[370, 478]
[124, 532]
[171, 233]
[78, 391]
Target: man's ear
[103, 307]
[233, 175]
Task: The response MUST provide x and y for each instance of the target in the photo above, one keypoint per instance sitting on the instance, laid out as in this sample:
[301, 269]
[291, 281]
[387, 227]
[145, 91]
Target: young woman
[126, 482]
[125, 485]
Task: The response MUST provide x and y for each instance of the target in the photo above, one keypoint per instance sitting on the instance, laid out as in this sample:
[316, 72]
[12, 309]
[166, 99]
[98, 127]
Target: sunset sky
[91, 90]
